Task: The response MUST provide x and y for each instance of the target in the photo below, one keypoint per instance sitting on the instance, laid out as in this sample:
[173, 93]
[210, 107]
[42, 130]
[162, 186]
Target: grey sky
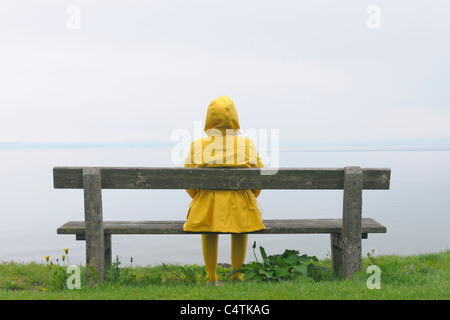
[138, 70]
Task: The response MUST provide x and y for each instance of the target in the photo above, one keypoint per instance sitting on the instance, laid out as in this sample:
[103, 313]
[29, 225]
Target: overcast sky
[317, 71]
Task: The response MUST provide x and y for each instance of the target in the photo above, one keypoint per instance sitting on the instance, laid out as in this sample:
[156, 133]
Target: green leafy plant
[93, 275]
[59, 274]
[59, 277]
[113, 272]
[188, 274]
[278, 267]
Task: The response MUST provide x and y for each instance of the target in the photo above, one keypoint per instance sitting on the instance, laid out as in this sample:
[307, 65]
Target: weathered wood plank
[287, 226]
[376, 178]
[352, 222]
[220, 178]
[94, 223]
[68, 177]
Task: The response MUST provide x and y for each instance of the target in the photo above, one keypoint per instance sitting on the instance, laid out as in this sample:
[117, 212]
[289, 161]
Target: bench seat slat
[290, 226]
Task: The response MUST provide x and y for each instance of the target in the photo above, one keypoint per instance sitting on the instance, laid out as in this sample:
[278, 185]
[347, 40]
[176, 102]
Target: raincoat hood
[222, 115]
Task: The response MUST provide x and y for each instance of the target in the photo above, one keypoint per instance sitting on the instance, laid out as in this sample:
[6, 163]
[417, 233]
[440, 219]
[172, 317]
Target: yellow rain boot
[210, 243]
[238, 251]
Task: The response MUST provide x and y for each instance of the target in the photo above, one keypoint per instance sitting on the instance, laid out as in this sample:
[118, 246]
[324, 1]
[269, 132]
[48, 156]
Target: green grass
[417, 277]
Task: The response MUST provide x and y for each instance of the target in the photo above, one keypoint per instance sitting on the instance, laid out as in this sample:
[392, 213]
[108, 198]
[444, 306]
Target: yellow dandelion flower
[47, 257]
[64, 257]
[66, 251]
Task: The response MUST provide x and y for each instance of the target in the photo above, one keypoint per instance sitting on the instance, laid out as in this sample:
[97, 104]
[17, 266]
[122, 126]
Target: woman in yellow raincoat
[223, 211]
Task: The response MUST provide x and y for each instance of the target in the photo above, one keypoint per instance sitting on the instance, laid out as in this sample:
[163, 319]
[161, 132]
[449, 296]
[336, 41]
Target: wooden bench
[346, 233]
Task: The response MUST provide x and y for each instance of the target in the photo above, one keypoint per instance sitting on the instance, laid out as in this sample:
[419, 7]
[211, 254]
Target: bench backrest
[222, 178]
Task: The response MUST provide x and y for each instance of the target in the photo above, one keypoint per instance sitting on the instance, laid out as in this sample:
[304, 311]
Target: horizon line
[287, 146]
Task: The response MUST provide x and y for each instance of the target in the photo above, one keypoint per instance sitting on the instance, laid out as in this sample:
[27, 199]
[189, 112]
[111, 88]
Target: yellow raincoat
[224, 211]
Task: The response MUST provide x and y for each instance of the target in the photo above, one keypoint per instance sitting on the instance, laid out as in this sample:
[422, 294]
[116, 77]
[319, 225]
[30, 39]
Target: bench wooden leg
[352, 222]
[95, 254]
[107, 247]
[336, 254]
[107, 251]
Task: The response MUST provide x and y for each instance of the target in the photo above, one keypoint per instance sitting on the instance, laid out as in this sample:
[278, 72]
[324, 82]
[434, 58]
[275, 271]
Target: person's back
[223, 211]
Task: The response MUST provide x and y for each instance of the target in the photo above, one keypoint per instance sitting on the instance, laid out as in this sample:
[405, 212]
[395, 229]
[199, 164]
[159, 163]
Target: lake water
[415, 210]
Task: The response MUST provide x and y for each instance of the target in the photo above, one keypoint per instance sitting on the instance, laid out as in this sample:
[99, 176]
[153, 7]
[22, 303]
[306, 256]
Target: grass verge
[416, 277]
